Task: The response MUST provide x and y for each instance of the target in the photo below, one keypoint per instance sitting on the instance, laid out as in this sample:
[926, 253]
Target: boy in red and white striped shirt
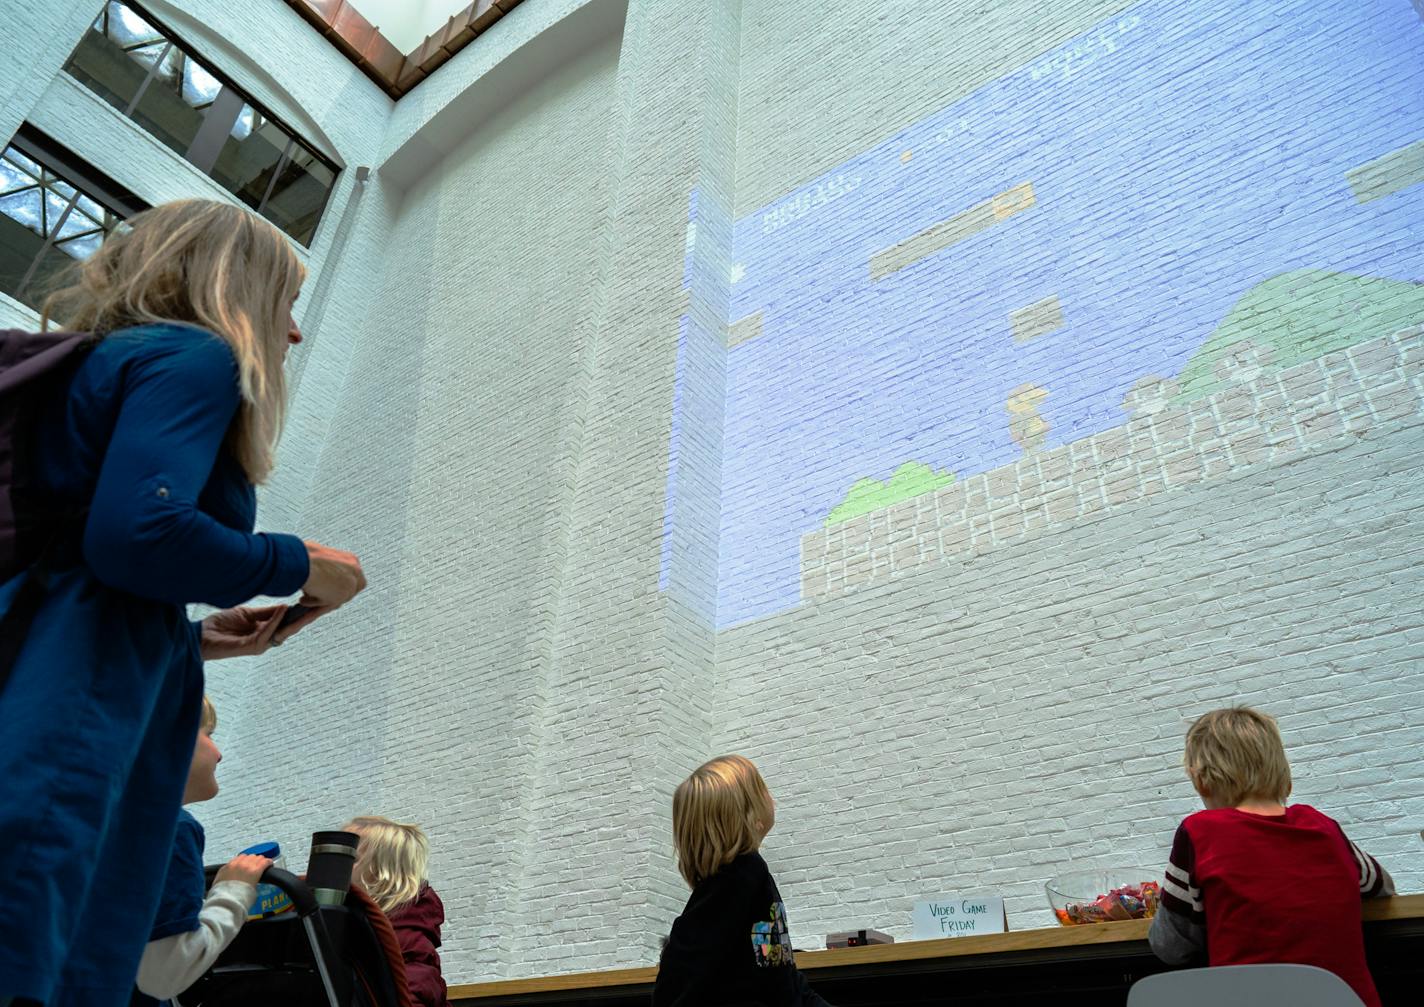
[1251, 880]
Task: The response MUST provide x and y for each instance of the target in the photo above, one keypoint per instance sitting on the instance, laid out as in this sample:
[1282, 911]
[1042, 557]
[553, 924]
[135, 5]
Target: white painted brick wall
[485, 412]
[982, 725]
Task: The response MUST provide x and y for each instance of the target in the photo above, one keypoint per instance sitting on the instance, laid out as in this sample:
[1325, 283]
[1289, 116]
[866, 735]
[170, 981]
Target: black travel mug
[333, 855]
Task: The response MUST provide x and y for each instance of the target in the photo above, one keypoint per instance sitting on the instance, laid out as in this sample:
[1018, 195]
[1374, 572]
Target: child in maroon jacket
[391, 863]
[1253, 881]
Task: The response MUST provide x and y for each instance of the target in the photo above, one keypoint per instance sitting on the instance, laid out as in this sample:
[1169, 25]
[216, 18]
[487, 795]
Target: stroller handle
[294, 888]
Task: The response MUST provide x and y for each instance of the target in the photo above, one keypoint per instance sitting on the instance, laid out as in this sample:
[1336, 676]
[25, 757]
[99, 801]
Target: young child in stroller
[391, 862]
[191, 929]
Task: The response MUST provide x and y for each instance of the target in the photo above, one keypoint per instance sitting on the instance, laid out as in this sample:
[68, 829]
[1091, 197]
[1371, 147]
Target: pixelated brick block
[1183, 467]
[1411, 350]
[1394, 400]
[1247, 448]
[1015, 200]
[744, 330]
[954, 539]
[1375, 358]
[1002, 483]
[905, 557]
[1272, 418]
[1008, 524]
[1111, 445]
[1386, 175]
[1061, 505]
[813, 548]
[1036, 319]
[1321, 424]
[950, 501]
[938, 237]
[1053, 465]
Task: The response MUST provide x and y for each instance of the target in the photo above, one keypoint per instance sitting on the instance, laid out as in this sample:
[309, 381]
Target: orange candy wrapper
[1131, 902]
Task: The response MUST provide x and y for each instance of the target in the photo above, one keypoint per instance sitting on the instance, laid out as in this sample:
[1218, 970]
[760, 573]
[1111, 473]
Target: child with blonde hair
[1251, 880]
[192, 929]
[731, 944]
[391, 861]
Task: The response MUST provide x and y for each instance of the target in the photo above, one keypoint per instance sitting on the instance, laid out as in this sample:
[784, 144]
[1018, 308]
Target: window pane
[244, 166]
[115, 59]
[162, 110]
[52, 273]
[27, 215]
[247, 121]
[13, 177]
[78, 222]
[82, 248]
[103, 66]
[199, 86]
[25, 208]
[19, 245]
[127, 29]
[55, 205]
[24, 163]
[149, 55]
[300, 195]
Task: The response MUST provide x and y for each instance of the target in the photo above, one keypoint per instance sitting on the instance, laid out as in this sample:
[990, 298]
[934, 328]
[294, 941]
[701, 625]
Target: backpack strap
[29, 357]
[30, 364]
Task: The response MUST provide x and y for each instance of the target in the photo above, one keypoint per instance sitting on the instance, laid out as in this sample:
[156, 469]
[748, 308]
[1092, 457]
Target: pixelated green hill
[1305, 314]
[866, 495]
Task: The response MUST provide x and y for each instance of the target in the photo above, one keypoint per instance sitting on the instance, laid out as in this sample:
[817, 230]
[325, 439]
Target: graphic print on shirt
[771, 943]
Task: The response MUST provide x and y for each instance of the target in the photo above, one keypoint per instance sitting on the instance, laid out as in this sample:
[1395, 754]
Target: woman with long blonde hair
[391, 862]
[146, 454]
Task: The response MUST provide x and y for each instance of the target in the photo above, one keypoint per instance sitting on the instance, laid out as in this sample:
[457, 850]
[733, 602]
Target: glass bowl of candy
[1123, 893]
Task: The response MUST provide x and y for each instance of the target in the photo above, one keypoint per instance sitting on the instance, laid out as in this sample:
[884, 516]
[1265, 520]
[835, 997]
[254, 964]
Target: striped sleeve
[1180, 893]
[1375, 881]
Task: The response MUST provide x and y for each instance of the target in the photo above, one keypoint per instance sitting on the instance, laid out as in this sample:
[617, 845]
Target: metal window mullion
[152, 72]
[182, 67]
[24, 188]
[272, 182]
[49, 236]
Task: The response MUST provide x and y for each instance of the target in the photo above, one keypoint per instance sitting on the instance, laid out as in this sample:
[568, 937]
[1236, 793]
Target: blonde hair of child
[391, 860]
[209, 264]
[209, 722]
[718, 813]
[1236, 755]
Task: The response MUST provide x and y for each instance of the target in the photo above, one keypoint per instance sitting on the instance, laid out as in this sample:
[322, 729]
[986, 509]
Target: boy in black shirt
[730, 945]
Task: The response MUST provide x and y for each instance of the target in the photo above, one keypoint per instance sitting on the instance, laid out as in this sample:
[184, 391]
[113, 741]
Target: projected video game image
[1122, 214]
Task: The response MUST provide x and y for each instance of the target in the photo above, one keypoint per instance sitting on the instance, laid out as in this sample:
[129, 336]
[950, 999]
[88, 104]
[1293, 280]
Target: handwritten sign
[958, 916]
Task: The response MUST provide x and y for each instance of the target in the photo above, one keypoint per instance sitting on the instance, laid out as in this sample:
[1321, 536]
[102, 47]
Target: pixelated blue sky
[1178, 153]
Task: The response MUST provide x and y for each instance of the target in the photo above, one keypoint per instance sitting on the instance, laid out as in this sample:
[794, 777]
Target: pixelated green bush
[1305, 314]
[866, 495]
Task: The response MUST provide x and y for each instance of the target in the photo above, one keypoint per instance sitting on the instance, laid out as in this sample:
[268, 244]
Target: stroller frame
[359, 921]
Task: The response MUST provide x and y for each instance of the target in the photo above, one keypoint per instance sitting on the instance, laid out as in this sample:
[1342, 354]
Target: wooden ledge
[1401, 907]
[608, 979]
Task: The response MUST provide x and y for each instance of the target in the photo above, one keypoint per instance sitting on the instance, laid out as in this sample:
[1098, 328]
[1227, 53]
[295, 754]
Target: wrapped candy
[1130, 902]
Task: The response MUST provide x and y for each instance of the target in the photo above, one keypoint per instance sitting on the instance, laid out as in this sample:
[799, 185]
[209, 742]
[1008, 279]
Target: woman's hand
[243, 632]
[335, 578]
